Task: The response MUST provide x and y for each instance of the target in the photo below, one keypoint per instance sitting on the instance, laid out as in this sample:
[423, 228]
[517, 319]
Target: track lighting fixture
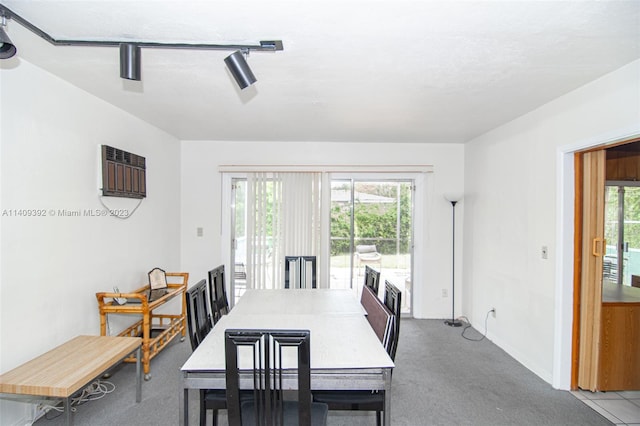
[130, 50]
[239, 68]
[7, 48]
[130, 58]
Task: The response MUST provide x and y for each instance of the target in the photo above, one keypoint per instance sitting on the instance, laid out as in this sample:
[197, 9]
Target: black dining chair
[393, 301]
[198, 316]
[300, 272]
[218, 293]
[199, 325]
[269, 407]
[372, 278]
[369, 400]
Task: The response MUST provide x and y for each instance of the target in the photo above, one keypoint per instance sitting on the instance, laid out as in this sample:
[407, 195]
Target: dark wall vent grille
[123, 173]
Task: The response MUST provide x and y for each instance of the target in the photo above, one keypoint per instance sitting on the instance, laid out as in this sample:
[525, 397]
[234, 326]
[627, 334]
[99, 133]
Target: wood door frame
[577, 268]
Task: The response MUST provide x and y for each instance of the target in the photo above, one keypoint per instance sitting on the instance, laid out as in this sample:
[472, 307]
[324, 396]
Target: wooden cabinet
[619, 360]
[620, 347]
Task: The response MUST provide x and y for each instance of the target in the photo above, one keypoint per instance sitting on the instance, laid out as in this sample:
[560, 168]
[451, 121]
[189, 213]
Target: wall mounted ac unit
[123, 173]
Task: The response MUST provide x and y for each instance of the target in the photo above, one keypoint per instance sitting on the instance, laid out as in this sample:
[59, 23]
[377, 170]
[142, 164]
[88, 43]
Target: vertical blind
[283, 219]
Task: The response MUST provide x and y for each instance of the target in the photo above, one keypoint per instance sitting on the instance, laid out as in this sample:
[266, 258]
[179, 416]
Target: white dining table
[345, 352]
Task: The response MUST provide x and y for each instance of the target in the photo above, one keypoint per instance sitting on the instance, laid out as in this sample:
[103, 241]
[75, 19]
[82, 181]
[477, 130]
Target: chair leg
[203, 410]
[215, 417]
[379, 418]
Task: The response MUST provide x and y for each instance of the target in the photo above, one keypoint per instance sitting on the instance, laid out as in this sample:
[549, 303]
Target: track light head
[240, 69]
[130, 59]
[7, 48]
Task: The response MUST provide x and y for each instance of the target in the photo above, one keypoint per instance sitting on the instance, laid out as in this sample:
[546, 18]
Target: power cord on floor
[468, 325]
[96, 390]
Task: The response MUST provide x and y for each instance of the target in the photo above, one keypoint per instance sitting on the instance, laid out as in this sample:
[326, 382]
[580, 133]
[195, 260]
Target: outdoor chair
[367, 255]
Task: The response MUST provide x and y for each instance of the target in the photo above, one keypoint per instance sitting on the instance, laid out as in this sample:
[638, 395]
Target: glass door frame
[353, 179]
[419, 201]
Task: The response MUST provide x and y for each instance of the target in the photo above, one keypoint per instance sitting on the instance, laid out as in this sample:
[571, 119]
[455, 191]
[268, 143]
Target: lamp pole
[453, 322]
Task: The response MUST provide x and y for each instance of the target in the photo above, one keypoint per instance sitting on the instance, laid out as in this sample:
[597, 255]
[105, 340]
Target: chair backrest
[372, 278]
[393, 301]
[218, 293]
[367, 248]
[265, 373]
[198, 317]
[379, 316]
[300, 272]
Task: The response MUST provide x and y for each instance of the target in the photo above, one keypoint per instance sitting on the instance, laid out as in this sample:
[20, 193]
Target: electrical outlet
[445, 293]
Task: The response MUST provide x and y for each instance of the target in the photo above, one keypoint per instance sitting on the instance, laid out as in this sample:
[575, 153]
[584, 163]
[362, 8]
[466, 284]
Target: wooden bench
[69, 368]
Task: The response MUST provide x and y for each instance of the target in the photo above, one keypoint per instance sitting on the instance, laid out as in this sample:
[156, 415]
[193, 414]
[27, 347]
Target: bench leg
[68, 414]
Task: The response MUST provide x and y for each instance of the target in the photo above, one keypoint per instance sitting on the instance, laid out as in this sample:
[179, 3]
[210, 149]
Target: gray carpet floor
[440, 378]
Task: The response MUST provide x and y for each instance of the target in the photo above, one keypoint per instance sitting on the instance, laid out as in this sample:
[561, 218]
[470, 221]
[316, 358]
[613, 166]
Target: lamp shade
[240, 69]
[130, 59]
[453, 196]
[7, 48]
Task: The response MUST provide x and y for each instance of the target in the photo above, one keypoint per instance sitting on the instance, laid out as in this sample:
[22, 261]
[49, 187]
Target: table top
[299, 301]
[341, 337]
[67, 368]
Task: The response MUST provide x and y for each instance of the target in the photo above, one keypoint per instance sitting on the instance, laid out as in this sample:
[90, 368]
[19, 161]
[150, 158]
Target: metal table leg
[387, 398]
[184, 408]
[138, 375]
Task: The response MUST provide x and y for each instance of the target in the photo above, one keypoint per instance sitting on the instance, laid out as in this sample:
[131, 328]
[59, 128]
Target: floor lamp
[453, 199]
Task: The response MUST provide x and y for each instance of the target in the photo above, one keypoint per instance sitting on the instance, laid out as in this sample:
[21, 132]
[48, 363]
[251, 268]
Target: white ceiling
[351, 70]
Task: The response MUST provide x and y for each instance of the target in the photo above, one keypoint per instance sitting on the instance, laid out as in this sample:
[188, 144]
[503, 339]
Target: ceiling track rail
[264, 45]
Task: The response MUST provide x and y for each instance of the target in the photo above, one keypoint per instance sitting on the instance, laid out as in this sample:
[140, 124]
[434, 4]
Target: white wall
[202, 204]
[52, 266]
[512, 207]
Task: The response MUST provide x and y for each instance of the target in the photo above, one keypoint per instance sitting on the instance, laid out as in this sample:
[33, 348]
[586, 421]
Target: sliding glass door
[622, 233]
[372, 225]
[238, 239]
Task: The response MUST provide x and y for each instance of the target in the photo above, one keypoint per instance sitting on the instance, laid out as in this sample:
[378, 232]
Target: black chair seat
[365, 400]
[216, 399]
[213, 396]
[290, 413]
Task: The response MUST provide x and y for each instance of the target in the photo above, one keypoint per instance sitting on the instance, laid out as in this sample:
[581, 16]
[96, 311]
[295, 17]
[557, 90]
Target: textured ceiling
[351, 70]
